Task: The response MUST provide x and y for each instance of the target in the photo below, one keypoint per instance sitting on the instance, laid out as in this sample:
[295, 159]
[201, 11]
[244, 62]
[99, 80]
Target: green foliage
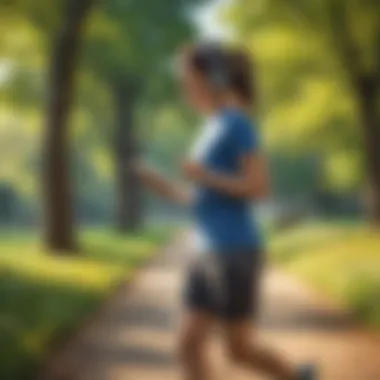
[41, 296]
[165, 132]
[134, 39]
[30, 313]
[295, 176]
[363, 293]
[307, 54]
[342, 260]
[125, 42]
[43, 14]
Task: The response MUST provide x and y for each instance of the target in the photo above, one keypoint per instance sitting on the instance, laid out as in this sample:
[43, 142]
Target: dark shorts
[226, 286]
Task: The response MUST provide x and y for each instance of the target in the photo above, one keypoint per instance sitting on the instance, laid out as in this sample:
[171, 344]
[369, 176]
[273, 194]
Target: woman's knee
[239, 342]
[194, 336]
[241, 349]
[190, 342]
[238, 351]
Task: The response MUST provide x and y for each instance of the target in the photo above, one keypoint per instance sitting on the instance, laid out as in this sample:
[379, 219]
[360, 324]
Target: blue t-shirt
[226, 221]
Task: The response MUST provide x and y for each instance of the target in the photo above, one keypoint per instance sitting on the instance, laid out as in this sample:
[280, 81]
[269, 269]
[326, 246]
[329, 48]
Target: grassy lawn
[42, 296]
[342, 260]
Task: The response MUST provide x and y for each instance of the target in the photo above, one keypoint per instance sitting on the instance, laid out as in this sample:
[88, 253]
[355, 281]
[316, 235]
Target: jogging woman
[228, 170]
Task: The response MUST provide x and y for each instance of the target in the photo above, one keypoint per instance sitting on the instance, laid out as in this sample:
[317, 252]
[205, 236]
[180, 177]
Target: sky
[206, 18]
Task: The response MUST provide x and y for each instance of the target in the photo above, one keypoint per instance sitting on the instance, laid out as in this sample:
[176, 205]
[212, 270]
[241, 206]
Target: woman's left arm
[251, 182]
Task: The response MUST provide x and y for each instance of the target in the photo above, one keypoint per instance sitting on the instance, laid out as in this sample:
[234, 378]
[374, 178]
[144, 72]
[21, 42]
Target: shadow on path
[135, 338]
[114, 354]
[140, 316]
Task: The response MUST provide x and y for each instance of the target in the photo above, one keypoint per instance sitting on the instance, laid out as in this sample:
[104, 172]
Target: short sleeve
[211, 135]
[244, 137]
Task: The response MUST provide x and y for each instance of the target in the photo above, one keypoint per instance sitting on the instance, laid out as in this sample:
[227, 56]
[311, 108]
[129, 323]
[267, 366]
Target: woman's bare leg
[193, 341]
[243, 351]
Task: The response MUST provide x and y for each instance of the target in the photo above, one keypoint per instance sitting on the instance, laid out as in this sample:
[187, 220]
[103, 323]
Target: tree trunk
[368, 92]
[59, 229]
[128, 200]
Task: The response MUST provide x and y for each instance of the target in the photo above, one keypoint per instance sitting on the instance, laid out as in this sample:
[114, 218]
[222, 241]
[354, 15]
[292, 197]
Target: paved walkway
[134, 338]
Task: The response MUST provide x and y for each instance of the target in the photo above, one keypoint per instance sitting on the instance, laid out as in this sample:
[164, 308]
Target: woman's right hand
[142, 170]
[159, 184]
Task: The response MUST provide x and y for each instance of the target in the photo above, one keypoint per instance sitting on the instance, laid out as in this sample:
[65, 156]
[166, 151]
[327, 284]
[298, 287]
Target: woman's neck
[233, 101]
[226, 101]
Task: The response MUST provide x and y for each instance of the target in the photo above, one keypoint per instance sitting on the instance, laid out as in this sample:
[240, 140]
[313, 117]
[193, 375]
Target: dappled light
[123, 222]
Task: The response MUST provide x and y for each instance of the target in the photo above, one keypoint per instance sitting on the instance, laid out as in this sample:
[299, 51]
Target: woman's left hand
[194, 171]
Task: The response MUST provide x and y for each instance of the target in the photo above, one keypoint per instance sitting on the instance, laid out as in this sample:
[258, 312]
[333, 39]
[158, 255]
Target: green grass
[341, 260]
[42, 296]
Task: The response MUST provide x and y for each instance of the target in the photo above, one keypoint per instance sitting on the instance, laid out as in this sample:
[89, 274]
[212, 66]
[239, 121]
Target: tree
[129, 47]
[22, 92]
[333, 44]
[59, 26]
[128, 201]
[57, 199]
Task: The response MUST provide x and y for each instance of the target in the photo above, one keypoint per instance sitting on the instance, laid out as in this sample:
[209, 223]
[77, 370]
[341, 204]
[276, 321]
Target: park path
[134, 337]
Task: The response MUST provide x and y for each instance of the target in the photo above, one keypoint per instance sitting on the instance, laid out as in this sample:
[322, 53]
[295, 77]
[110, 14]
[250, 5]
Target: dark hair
[225, 68]
[241, 75]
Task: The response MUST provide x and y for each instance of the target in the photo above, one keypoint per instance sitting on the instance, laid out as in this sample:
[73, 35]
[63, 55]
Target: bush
[42, 296]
